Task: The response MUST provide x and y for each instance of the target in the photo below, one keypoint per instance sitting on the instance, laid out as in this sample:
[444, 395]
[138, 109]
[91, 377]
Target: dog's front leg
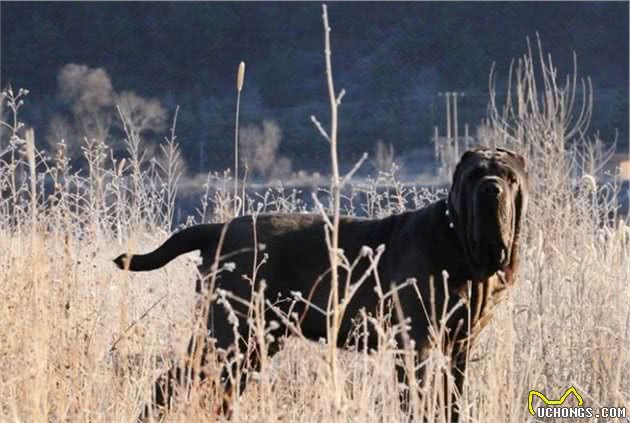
[459, 361]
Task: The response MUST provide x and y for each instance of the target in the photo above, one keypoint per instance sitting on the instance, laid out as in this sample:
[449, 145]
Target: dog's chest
[482, 299]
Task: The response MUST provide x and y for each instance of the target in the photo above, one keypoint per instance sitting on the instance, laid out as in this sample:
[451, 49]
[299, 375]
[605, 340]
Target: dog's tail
[190, 239]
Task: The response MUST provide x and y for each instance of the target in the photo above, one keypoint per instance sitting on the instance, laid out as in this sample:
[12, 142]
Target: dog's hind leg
[405, 395]
[178, 379]
[241, 372]
[458, 371]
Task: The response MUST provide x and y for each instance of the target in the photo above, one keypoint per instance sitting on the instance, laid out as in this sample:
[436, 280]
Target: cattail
[240, 78]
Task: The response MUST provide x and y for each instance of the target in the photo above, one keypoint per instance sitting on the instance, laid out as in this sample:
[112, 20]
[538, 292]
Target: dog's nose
[492, 189]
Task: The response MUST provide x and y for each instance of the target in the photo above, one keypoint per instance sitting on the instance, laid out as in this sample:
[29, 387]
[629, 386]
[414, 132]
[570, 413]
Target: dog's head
[487, 201]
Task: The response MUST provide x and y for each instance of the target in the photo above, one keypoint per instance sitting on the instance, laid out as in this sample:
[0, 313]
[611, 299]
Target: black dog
[472, 235]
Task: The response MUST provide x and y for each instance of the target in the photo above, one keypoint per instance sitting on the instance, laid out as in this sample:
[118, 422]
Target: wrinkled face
[488, 196]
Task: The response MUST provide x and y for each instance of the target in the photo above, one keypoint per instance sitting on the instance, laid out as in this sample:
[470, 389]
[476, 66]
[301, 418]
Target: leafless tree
[90, 94]
[259, 150]
[141, 114]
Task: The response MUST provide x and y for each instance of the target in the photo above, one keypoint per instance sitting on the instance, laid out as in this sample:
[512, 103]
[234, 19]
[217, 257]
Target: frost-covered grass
[83, 341]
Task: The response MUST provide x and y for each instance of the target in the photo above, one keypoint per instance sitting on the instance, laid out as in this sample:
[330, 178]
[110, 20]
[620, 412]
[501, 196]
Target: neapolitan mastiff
[471, 236]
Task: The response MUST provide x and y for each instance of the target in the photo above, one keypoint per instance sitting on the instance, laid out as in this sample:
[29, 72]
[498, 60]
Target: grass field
[81, 341]
[64, 305]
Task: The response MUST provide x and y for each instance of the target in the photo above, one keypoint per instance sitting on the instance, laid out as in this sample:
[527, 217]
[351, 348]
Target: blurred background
[398, 62]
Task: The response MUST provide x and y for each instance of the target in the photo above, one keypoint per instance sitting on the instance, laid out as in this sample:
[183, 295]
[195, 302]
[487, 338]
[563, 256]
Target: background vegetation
[392, 59]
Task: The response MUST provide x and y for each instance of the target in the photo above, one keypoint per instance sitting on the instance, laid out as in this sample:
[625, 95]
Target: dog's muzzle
[494, 221]
[491, 189]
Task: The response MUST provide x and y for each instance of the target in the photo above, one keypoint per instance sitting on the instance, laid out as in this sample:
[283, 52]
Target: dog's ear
[466, 156]
[454, 192]
[458, 168]
[520, 159]
[520, 204]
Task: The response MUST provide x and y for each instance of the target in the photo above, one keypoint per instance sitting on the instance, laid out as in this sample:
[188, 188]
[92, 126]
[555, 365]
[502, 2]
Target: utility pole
[456, 138]
[466, 139]
[447, 148]
[451, 147]
[448, 116]
[455, 122]
[436, 142]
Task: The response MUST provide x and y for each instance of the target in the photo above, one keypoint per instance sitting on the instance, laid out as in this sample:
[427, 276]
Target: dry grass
[64, 305]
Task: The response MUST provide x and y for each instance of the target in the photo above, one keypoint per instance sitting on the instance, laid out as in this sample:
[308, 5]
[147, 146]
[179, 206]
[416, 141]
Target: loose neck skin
[439, 245]
[455, 253]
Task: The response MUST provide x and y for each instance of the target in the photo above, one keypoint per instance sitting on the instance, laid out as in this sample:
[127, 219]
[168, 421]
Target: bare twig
[135, 322]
